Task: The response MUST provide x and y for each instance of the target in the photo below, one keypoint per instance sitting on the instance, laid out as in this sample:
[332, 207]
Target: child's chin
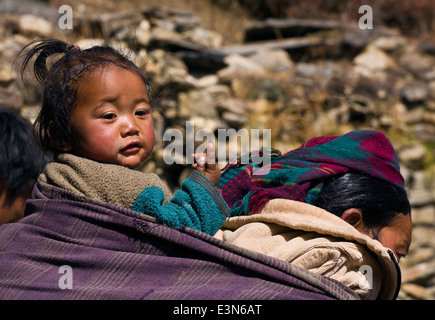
[132, 161]
[127, 162]
[131, 165]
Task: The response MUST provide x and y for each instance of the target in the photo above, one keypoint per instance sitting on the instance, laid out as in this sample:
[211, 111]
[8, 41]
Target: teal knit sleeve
[197, 205]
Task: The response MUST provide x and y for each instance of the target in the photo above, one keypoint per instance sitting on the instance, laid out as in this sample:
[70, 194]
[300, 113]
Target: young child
[95, 114]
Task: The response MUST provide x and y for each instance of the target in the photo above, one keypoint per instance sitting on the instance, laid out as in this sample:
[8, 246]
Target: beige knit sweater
[105, 182]
[318, 241]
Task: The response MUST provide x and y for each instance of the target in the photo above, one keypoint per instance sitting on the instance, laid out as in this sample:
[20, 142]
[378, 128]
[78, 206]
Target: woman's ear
[353, 216]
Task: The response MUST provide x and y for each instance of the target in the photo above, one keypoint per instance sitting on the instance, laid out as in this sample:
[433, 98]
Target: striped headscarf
[300, 174]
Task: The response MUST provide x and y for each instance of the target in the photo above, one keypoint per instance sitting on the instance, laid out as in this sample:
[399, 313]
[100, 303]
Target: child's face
[112, 118]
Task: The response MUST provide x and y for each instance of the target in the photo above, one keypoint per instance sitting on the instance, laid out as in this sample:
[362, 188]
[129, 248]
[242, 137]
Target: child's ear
[66, 148]
[61, 146]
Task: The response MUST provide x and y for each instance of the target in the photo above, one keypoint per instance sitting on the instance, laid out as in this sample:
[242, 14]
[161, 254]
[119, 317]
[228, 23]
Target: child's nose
[129, 127]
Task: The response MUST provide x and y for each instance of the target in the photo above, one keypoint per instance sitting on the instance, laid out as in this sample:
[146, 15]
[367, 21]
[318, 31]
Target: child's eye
[109, 116]
[142, 112]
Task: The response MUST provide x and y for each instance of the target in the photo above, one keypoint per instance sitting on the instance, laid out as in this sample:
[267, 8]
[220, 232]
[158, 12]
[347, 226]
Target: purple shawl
[116, 253]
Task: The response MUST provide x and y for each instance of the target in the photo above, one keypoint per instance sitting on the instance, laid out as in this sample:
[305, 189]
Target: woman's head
[355, 176]
[97, 88]
[21, 162]
[373, 206]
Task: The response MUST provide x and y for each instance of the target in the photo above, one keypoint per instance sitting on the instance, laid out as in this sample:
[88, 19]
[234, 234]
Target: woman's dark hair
[53, 127]
[378, 200]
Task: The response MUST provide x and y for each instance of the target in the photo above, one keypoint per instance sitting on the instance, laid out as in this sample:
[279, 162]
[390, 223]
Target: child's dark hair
[53, 127]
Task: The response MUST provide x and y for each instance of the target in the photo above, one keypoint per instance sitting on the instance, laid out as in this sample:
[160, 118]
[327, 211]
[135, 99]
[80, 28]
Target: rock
[117, 25]
[306, 69]
[356, 38]
[281, 44]
[239, 66]
[234, 120]
[415, 93]
[30, 112]
[143, 33]
[205, 37]
[418, 255]
[414, 115]
[360, 107]
[419, 273]
[38, 8]
[89, 43]
[373, 60]
[207, 123]
[186, 21]
[389, 43]
[420, 190]
[200, 61]
[259, 113]
[7, 76]
[416, 63]
[174, 71]
[31, 25]
[196, 103]
[10, 99]
[287, 28]
[205, 82]
[218, 92]
[310, 70]
[423, 236]
[169, 105]
[429, 117]
[273, 60]
[416, 291]
[167, 69]
[428, 47]
[428, 75]
[413, 156]
[431, 89]
[233, 105]
[154, 65]
[159, 35]
[9, 48]
[424, 132]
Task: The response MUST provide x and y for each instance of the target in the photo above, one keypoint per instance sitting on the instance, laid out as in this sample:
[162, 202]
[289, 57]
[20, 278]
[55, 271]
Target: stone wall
[324, 79]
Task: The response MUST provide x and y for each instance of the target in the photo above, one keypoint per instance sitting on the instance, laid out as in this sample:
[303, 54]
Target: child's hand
[206, 165]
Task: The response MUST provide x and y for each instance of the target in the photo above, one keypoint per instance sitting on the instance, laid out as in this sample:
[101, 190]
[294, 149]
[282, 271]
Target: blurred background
[299, 68]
